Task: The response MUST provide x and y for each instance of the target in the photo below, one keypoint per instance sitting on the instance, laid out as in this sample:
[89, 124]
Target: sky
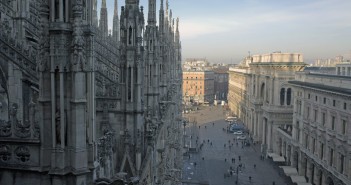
[226, 31]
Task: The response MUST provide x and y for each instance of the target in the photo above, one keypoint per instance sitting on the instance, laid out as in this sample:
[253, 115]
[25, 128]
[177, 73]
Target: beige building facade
[319, 146]
[198, 86]
[260, 95]
[303, 117]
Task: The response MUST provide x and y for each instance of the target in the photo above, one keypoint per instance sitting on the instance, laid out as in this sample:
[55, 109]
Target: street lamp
[237, 174]
[184, 124]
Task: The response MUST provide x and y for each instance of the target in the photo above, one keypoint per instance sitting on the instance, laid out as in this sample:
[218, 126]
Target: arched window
[288, 96]
[262, 91]
[282, 96]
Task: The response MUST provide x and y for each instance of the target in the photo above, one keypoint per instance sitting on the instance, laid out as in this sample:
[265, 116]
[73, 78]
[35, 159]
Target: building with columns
[80, 105]
[259, 94]
[319, 146]
[302, 116]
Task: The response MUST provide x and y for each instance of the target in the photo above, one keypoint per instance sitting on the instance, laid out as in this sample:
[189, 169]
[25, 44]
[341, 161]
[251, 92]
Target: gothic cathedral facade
[81, 104]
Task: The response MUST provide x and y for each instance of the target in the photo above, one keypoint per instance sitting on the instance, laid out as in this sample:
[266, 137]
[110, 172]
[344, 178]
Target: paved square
[212, 163]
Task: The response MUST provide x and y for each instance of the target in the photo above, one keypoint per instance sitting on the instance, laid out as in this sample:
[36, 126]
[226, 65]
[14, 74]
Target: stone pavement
[214, 161]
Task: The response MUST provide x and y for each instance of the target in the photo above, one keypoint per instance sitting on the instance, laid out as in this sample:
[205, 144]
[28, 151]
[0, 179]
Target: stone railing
[17, 52]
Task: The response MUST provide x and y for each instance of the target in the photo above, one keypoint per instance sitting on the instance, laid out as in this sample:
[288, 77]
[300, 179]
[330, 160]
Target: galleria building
[301, 118]
[80, 105]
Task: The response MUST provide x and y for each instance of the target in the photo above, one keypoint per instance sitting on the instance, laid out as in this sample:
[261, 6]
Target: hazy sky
[227, 30]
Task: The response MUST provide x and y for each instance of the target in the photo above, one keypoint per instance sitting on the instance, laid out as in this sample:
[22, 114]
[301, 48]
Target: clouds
[226, 29]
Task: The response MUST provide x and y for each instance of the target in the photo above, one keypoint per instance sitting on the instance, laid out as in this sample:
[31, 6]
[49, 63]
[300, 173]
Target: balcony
[342, 137]
[331, 132]
[285, 132]
[321, 128]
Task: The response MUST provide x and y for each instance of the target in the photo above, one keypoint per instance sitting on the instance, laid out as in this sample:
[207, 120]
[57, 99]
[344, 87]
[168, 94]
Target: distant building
[221, 79]
[343, 69]
[331, 62]
[198, 86]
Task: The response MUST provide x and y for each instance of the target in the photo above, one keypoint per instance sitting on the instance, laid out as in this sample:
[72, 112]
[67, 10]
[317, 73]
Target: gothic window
[130, 35]
[282, 96]
[57, 9]
[150, 76]
[288, 98]
[129, 83]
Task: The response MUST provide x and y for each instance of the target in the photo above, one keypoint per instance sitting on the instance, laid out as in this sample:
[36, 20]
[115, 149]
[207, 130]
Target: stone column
[269, 135]
[309, 173]
[292, 157]
[62, 110]
[272, 92]
[61, 10]
[302, 165]
[316, 179]
[53, 109]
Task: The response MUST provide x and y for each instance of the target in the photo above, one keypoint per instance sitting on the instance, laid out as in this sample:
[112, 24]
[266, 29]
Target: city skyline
[227, 31]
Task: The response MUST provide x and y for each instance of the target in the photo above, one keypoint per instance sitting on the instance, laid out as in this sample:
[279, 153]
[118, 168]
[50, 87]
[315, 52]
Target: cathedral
[84, 105]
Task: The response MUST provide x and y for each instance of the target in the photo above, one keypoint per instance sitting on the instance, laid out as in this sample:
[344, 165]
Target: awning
[271, 154]
[289, 171]
[297, 179]
[278, 159]
[275, 157]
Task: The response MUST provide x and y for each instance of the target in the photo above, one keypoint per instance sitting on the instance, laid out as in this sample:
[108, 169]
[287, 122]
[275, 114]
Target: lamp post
[184, 124]
[237, 174]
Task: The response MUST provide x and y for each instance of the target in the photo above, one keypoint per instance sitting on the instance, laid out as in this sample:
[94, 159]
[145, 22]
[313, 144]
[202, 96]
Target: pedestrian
[194, 164]
[205, 127]
[189, 156]
[213, 124]
[199, 127]
[239, 158]
[224, 145]
[211, 143]
[225, 160]
[273, 183]
[208, 140]
[234, 160]
[255, 166]
[203, 158]
[250, 178]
